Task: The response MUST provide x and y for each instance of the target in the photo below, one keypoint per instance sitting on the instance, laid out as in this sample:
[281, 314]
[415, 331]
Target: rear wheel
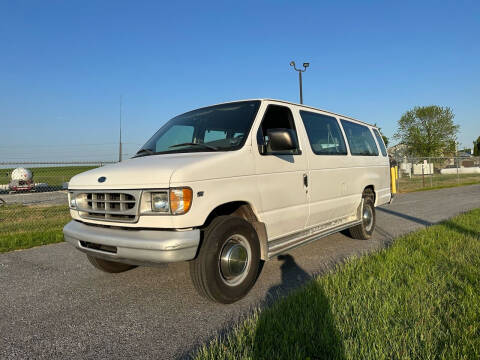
[228, 261]
[109, 266]
[364, 230]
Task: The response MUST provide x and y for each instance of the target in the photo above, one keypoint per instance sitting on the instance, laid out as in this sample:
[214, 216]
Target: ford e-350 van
[228, 186]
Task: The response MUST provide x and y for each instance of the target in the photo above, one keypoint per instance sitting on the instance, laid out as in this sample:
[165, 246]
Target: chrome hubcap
[367, 218]
[234, 260]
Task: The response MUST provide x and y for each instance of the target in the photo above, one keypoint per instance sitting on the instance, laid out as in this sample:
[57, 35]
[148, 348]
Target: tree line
[429, 131]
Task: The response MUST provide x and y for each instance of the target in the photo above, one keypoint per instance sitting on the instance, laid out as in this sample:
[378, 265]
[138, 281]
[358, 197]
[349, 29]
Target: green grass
[418, 299]
[23, 227]
[438, 181]
[53, 176]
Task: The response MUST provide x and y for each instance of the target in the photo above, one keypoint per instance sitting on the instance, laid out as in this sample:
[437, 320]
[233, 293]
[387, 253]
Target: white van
[228, 186]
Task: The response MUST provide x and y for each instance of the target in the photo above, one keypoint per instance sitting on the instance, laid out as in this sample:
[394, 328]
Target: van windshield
[216, 128]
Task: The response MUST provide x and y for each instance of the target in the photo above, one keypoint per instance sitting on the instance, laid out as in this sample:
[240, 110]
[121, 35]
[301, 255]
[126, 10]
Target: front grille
[109, 206]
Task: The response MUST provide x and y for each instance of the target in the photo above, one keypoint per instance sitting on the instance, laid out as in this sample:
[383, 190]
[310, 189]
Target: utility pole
[120, 140]
[305, 66]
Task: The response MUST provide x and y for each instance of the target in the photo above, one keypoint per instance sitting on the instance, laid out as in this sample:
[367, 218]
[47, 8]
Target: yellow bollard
[396, 172]
[393, 180]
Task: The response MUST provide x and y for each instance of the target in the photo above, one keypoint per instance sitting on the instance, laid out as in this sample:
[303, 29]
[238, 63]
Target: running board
[279, 246]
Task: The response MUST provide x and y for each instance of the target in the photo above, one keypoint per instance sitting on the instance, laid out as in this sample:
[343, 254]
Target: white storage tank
[22, 174]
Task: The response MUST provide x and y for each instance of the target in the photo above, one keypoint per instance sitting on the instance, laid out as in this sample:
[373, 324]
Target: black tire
[365, 230]
[206, 271]
[109, 266]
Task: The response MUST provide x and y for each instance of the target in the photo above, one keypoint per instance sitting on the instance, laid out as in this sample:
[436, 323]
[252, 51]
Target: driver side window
[276, 117]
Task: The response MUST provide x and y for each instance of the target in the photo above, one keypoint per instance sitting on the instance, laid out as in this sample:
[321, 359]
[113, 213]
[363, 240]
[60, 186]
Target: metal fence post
[431, 168]
[397, 184]
[423, 174]
[458, 176]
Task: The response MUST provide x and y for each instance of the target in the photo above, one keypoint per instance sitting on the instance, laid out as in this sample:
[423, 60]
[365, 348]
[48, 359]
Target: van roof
[304, 106]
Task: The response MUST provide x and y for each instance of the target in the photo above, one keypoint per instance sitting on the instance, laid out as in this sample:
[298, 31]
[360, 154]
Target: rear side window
[360, 139]
[380, 142]
[324, 134]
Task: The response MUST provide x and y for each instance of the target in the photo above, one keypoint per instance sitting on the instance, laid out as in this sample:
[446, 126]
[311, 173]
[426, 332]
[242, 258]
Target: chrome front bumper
[137, 247]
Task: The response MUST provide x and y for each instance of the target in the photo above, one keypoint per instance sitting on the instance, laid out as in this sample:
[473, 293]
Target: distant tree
[476, 147]
[428, 131]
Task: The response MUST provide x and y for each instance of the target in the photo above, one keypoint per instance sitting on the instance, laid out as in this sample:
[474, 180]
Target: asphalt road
[58, 197]
[54, 304]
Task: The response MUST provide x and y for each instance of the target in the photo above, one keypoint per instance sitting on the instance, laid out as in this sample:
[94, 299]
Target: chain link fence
[33, 196]
[33, 201]
[422, 173]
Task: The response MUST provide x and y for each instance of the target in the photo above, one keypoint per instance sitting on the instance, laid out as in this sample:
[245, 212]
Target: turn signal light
[180, 200]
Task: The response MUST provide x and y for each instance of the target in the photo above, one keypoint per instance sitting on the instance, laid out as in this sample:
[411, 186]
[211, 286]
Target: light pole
[305, 65]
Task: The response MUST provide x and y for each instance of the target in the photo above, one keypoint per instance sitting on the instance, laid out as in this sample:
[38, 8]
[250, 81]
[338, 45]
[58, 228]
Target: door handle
[305, 180]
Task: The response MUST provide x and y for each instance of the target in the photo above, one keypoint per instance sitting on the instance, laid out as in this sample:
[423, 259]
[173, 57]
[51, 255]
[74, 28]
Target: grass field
[23, 227]
[53, 176]
[436, 181]
[418, 299]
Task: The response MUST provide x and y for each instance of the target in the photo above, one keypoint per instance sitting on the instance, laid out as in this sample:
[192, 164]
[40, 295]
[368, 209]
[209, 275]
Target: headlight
[160, 202]
[72, 201]
[175, 201]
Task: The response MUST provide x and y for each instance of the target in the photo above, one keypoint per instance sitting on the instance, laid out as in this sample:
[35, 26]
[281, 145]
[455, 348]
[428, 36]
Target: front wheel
[109, 266]
[364, 230]
[228, 262]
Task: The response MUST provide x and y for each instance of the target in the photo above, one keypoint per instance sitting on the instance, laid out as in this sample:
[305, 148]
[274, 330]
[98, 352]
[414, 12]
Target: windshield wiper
[195, 144]
[144, 151]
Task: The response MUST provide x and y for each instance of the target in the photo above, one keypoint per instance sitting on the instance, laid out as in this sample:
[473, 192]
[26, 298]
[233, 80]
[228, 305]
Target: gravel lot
[56, 305]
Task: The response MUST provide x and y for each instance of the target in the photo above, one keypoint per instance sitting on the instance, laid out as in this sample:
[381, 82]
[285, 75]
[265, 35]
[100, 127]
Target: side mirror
[281, 139]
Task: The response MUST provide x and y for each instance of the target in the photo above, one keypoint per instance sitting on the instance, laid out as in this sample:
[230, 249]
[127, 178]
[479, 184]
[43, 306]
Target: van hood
[154, 171]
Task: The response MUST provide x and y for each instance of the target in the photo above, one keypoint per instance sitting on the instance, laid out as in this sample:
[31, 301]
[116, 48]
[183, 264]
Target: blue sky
[64, 65]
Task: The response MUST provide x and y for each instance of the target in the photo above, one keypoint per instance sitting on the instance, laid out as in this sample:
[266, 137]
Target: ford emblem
[102, 179]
